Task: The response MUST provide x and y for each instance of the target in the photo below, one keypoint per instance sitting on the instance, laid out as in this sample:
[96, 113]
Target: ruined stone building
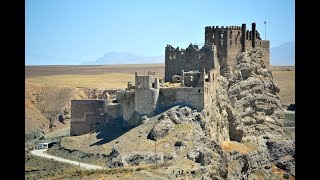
[196, 69]
[228, 42]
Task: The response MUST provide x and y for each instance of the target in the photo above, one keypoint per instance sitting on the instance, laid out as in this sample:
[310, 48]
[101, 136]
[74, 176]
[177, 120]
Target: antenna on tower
[265, 30]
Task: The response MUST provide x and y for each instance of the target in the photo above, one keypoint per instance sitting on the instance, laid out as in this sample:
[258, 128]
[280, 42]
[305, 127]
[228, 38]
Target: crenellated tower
[231, 40]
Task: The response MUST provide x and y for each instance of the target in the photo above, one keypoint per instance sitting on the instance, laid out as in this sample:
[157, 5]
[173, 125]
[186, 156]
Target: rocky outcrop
[256, 108]
[161, 129]
[114, 159]
[255, 117]
[176, 115]
[282, 153]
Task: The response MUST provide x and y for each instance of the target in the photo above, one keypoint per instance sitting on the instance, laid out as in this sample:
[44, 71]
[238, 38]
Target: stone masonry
[196, 69]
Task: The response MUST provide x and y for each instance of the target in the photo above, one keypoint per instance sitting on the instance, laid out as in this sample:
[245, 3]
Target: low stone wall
[193, 97]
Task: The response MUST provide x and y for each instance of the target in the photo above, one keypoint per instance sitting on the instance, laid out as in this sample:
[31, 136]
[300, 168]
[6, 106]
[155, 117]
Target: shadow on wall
[111, 131]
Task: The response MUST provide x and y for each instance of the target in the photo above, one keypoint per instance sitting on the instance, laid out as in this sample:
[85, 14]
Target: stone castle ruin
[194, 69]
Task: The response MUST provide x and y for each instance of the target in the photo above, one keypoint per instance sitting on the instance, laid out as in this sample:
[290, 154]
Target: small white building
[42, 146]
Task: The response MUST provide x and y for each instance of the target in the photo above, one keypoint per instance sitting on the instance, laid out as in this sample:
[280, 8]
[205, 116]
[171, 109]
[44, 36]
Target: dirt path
[40, 152]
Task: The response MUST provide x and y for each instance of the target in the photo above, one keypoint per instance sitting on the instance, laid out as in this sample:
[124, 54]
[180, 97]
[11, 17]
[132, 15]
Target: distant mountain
[279, 55]
[283, 54]
[124, 58]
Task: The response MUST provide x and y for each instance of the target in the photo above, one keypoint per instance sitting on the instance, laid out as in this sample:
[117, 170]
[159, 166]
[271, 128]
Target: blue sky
[76, 31]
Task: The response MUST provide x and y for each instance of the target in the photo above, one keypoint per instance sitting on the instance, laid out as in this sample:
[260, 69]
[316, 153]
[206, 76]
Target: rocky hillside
[47, 108]
[239, 137]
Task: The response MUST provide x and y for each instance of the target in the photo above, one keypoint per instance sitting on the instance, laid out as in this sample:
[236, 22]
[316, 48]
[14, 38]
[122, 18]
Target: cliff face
[252, 94]
[255, 117]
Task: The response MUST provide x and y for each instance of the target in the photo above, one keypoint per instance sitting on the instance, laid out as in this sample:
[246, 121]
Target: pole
[155, 149]
[265, 30]
[79, 168]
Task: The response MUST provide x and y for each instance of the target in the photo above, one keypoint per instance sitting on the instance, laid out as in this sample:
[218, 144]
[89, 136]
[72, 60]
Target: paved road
[40, 152]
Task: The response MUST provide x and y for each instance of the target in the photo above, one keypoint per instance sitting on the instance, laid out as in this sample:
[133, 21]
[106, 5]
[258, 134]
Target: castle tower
[243, 38]
[146, 93]
[232, 40]
[253, 35]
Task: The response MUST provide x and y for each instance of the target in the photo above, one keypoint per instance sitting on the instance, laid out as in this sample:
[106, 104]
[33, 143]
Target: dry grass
[286, 82]
[228, 146]
[116, 76]
[99, 81]
[278, 173]
[39, 71]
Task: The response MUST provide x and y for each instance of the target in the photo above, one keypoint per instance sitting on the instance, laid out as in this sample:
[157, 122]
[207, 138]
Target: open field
[286, 82]
[40, 71]
[100, 77]
[99, 81]
[117, 76]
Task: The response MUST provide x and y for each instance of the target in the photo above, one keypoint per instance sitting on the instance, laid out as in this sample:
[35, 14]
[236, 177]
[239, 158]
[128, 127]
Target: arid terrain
[49, 90]
[116, 76]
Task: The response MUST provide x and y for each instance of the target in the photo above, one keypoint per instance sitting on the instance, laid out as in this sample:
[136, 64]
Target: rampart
[89, 115]
[189, 96]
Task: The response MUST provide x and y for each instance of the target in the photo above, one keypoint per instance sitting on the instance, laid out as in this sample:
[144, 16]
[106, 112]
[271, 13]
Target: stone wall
[112, 110]
[146, 94]
[88, 115]
[221, 38]
[127, 101]
[234, 46]
[93, 122]
[190, 96]
[191, 79]
[191, 58]
[228, 43]
[209, 88]
[79, 108]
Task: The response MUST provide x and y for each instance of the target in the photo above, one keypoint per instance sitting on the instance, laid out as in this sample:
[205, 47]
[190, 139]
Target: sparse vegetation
[46, 85]
[229, 146]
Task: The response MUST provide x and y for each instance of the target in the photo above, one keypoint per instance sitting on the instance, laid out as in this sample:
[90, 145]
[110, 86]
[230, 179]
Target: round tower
[146, 94]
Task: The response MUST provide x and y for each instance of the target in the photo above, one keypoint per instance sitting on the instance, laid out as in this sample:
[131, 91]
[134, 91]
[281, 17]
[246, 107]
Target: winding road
[40, 152]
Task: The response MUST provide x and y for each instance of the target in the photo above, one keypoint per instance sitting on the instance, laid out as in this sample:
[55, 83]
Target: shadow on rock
[111, 131]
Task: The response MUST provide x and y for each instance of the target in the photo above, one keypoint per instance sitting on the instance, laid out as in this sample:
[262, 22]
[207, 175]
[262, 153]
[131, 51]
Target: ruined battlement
[195, 68]
[189, 59]
[231, 40]
[213, 28]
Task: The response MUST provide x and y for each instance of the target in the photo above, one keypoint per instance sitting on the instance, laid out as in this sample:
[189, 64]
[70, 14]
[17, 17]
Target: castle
[195, 70]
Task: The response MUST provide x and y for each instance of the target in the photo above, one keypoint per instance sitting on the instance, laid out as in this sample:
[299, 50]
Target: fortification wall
[265, 46]
[209, 88]
[127, 100]
[146, 100]
[112, 110]
[234, 46]
[87, 115]
[79, 108]
[193, 97]
[94, 122]
[189, 59]
[227, 41]
[146, 94]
